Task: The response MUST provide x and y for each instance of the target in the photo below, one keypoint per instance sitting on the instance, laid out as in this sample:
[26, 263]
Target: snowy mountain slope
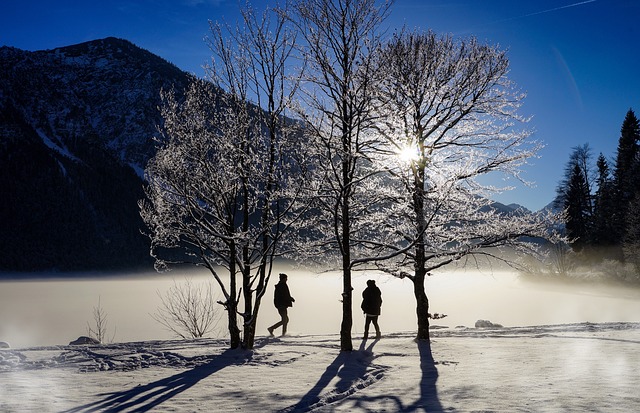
[76, 129]
[108, 87]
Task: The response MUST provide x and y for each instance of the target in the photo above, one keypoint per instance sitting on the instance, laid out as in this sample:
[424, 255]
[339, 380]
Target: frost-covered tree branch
[224, 185]
[450, 117]
[338, 38]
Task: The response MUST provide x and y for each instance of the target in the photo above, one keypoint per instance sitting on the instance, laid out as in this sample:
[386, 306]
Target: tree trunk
[347, 289]
[347, 316]
[232, 305]
[248, 326]
[422, 307]
[422, 302]
[234, 331]
[249, 335]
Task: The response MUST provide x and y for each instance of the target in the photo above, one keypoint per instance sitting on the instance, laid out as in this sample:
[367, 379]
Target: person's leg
[281, 322]
[366, 326]
[273, 327]
[374, 319]
[285, 319]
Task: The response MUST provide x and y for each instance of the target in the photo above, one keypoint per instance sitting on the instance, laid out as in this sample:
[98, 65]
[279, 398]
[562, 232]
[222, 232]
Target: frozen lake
[50, 312]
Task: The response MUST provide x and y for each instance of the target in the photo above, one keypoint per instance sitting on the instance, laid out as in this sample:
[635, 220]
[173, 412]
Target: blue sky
[578, 61]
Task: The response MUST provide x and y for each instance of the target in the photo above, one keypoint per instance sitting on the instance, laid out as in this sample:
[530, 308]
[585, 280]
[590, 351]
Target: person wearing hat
[371, 303]
[282, 300]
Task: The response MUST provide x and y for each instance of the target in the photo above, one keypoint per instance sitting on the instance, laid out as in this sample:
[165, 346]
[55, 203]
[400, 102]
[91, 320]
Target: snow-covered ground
[580, 354]
[582, 367]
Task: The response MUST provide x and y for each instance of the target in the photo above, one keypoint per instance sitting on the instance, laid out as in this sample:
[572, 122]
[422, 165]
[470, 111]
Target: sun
[408, 154]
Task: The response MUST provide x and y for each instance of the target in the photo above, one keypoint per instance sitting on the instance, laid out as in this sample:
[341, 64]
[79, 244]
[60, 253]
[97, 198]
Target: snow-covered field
[581, 353]
[583, 367]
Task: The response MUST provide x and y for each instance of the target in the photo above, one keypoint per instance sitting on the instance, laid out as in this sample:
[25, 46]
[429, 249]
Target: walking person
[282, 300]
[371, 303]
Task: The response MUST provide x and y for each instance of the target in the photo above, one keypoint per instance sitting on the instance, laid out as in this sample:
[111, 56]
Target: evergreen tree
[608, 221]
[604, 208]
[575, 196]
[577, 205]
[625, 174]
[631, 246]
[580, 157]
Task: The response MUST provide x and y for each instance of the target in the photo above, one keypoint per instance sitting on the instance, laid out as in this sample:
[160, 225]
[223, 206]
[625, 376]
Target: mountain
[511, 209]
[76, 129]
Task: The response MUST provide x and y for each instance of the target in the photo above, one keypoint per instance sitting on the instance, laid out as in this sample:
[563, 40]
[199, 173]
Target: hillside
[76, 129]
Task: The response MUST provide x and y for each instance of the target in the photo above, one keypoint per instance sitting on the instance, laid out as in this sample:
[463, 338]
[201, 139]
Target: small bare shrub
[99, 328]
[188, 310]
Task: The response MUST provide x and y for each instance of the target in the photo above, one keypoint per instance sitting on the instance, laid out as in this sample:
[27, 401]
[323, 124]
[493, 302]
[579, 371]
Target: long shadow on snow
[428, 400]
[351, 369]
[143, 398]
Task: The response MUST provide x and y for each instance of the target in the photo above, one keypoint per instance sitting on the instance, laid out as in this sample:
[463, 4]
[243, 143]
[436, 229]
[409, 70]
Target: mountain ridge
[76, 128]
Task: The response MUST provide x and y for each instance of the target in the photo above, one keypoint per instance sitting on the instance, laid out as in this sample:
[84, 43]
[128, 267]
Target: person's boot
[378, 334]
[270, 330]
[366, 335]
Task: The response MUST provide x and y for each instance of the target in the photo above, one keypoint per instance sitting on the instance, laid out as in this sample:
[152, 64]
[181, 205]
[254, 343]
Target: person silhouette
[371, 304]
[282, 300]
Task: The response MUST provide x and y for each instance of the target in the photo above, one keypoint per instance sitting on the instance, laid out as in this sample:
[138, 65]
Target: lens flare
[408, 154]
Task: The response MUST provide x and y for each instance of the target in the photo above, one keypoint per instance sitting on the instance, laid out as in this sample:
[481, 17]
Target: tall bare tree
[338, 40]
[448, 113]
[222, 185]
[268, 44]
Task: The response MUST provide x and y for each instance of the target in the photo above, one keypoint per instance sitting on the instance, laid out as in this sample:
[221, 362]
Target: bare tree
[99, 328]
[188, 310]
[339, 37]
[448, 113]
[271, 44]
[222, 184]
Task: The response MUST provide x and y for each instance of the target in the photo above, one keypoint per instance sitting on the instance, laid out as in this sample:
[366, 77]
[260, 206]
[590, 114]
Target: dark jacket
[281, 297]
[371, 300]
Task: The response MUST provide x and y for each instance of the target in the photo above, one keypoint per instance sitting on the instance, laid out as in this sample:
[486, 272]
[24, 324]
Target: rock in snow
[83, 340]
[487, 324]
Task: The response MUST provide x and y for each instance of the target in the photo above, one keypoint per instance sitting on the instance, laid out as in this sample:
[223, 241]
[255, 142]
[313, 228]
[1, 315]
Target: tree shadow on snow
[428, 400]
[351, 369]
[143, 398]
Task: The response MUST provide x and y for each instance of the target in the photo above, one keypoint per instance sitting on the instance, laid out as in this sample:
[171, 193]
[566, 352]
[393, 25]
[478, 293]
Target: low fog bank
[56, 311]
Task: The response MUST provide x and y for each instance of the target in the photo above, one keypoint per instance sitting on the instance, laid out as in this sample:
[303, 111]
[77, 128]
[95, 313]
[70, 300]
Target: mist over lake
[41, 312]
